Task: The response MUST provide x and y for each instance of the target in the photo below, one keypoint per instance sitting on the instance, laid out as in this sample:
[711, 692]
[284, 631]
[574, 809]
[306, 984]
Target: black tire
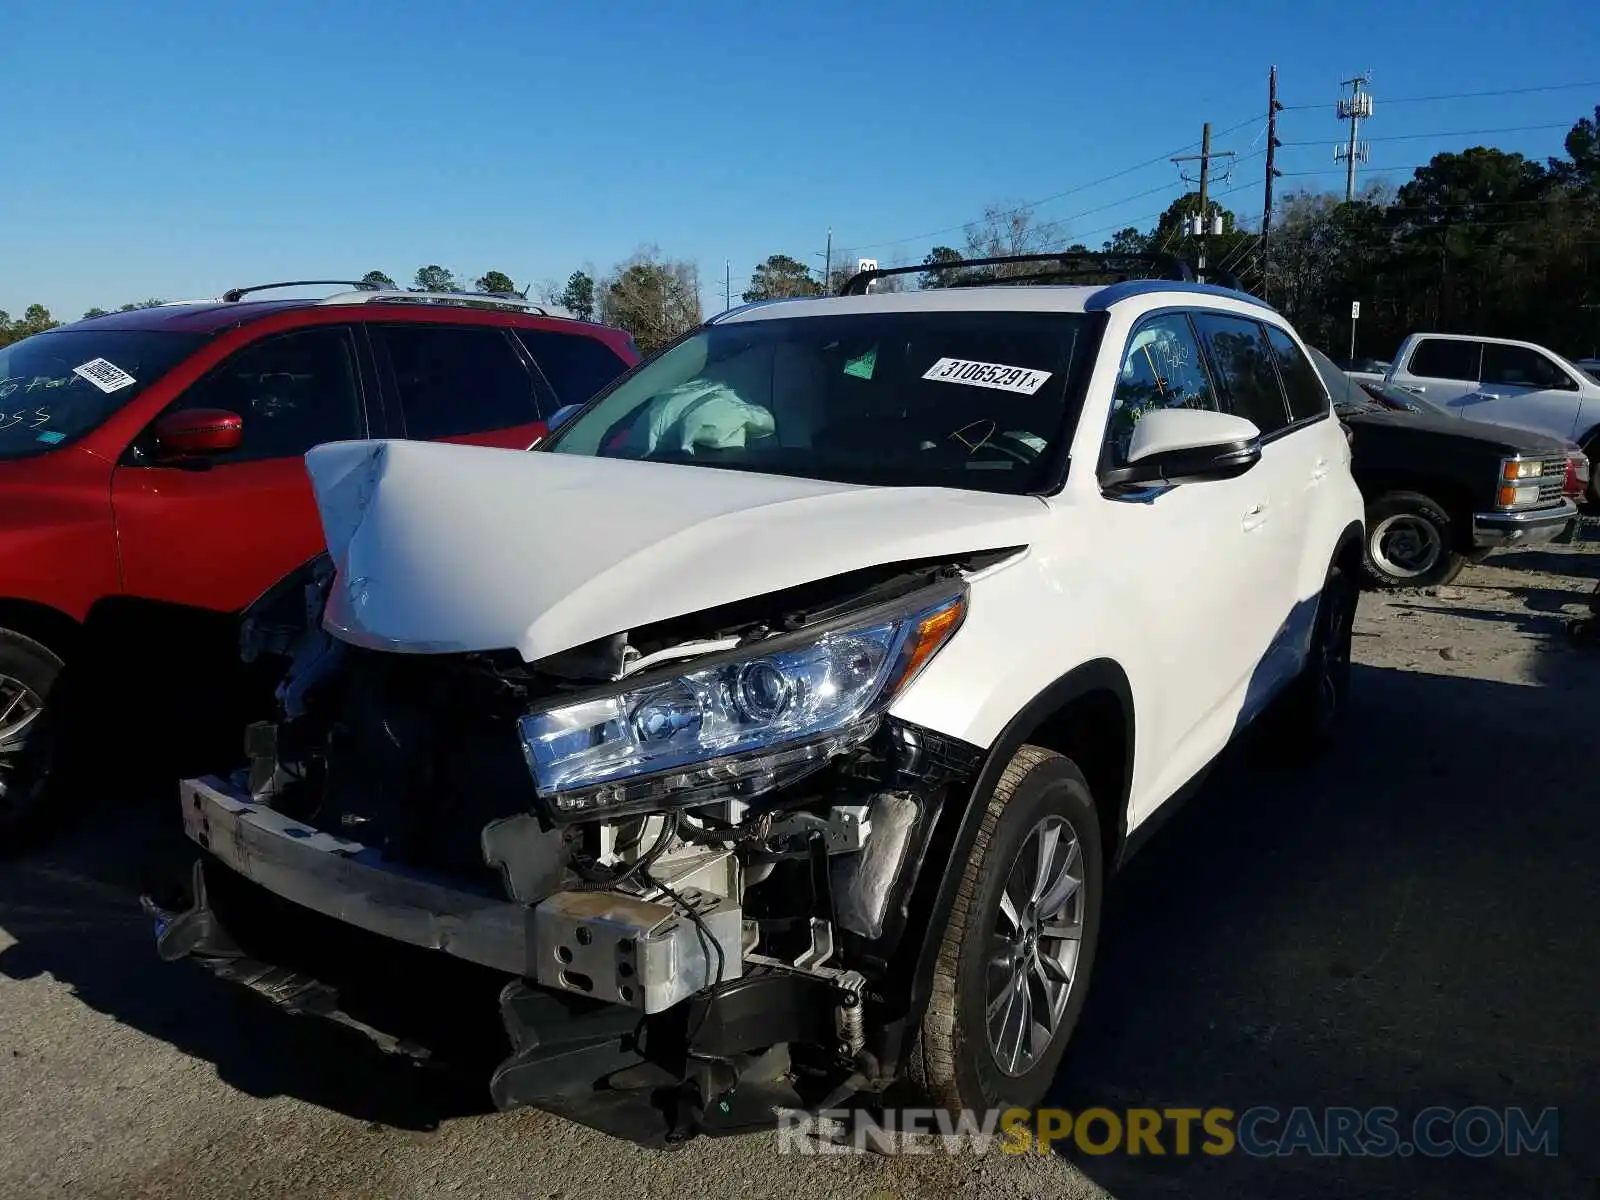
[954, 1060]
[25, 769]
[1306, 718]
[1386, 554]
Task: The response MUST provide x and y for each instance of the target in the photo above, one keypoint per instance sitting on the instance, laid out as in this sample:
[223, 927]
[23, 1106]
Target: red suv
[152, 483]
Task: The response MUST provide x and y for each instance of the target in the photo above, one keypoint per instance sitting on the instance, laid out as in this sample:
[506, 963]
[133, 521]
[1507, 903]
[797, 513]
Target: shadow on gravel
[73, 909]
[1548, 622]
[1582, 564]
[1411, 923]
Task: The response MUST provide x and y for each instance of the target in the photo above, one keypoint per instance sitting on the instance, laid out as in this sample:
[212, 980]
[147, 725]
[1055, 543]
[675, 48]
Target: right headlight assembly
[738, 723]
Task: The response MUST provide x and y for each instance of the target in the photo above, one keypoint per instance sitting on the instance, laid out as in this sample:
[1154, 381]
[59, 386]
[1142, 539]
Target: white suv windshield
[976, 400]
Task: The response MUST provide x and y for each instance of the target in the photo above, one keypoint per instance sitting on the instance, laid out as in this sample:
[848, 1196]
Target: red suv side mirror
[199, 431]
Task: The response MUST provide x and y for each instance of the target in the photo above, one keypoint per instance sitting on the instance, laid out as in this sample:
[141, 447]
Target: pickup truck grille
[1552, 479]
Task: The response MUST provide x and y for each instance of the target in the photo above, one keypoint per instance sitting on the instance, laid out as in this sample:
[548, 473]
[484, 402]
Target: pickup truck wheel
[28, 671]
[1013, 965]
[1410, 542]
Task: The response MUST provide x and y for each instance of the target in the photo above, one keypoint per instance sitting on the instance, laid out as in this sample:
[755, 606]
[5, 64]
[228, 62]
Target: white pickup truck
[1503, 382]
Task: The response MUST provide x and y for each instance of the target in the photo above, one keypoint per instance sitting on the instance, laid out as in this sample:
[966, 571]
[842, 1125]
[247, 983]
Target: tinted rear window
[1244, 360]
[1301, 383]
[55, 387]
[456, 379]
[576, 366]
[1445, 358]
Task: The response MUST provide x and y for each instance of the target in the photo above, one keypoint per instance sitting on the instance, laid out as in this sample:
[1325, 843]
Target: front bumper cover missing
[641, 954]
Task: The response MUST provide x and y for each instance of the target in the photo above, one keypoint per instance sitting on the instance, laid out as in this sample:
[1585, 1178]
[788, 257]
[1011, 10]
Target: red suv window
[454, 380]
[577, 366]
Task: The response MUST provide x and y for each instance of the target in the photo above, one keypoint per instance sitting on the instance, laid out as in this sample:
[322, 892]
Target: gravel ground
[1414, 922]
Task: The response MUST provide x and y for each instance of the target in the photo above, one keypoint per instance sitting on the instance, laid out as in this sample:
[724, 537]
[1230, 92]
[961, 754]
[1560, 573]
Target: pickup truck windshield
[975, 400]
[57, 386]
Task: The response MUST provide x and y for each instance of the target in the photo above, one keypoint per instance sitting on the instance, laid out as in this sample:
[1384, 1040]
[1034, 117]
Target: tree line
[1481, 241]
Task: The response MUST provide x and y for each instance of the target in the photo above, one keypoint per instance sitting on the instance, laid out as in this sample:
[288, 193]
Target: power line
[1072, 191]
[1549, 87]
[1023, 208]
[1412, 137]
[1113, 204]
[1342, 170]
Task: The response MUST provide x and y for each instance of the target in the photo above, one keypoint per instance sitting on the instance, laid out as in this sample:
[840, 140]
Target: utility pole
[1355, 109]
[1202, 225]
[1205, 209]
[727, 284]
[1273, 108]
[827, 264]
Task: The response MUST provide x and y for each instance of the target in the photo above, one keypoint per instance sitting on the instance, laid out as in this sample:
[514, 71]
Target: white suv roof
[1028, 297]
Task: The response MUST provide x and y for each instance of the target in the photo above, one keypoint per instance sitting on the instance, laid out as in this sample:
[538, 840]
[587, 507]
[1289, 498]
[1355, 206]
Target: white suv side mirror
[1187, 445]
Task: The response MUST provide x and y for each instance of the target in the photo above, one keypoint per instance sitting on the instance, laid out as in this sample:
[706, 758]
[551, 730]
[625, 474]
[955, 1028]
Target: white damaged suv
[768, 734]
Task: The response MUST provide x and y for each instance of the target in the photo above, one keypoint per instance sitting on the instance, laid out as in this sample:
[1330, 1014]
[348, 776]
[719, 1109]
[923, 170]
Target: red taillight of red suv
[1577, 482]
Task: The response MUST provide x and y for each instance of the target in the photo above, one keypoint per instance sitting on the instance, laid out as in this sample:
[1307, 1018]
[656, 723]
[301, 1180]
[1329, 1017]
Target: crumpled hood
[449, 548]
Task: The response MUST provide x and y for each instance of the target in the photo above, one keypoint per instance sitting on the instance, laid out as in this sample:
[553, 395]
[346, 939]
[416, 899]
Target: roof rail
[1113, 293]
[749, 304]
[464, 299]
[1067, 264]
[234, 295]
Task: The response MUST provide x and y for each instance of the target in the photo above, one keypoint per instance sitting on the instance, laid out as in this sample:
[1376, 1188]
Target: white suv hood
[445, 548]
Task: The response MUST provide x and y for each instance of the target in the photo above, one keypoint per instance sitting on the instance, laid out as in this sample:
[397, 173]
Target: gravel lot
[1415, 922]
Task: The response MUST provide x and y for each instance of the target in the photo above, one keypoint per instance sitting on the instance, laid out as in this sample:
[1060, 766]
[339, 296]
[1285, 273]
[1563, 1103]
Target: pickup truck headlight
[739, 723]
[1513, 469]
[1523, 480]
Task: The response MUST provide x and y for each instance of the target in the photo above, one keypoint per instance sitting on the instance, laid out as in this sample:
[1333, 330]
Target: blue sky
[177, 148]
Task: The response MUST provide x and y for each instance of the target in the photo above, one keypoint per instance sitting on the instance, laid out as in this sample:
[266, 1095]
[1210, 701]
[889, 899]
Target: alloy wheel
[1406, 546]
[20, 708]
[1034, 948]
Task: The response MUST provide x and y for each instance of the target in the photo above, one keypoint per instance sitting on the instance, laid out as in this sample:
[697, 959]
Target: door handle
[1416, 389]
[1255, 518]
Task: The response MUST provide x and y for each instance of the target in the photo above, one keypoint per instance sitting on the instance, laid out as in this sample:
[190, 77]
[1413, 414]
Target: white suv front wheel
[1014, 962]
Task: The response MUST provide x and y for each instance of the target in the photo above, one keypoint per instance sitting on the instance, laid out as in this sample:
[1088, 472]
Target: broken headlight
[739, 723]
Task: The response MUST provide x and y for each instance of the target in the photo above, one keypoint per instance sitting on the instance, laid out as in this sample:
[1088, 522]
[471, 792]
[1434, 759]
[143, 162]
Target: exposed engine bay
[679, 912]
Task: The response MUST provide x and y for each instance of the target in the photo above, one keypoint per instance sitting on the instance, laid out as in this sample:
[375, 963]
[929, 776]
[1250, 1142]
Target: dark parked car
[1441, 490]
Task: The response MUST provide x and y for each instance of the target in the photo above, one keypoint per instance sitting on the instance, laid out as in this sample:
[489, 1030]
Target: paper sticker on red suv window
[987, 375]
[106, 376]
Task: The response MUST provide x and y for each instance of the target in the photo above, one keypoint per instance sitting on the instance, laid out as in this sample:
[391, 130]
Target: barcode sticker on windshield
[987, 375]
[106, 376]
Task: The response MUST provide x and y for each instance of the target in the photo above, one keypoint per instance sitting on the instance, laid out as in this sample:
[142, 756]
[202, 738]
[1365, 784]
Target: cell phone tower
[1355, 108]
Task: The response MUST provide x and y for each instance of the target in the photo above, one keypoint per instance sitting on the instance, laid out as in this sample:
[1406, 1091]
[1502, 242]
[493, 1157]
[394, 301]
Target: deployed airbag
[705, 414]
